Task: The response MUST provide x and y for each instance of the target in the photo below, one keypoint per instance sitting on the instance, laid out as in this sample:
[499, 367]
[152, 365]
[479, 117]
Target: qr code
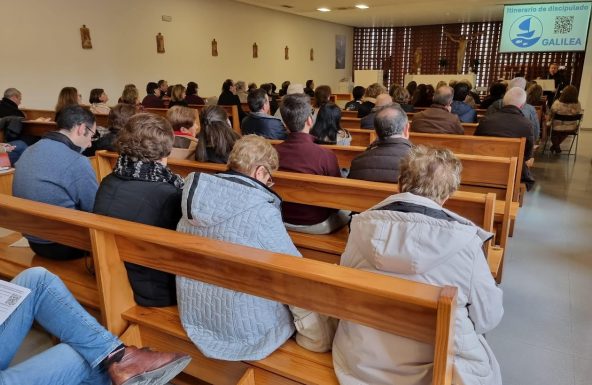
[563, 24]
[12, 300]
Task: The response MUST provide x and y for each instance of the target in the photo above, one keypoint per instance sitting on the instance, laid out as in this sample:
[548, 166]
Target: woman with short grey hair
[410, 235]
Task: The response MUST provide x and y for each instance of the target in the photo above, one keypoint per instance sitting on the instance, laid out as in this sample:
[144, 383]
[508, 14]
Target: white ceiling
[388, 13]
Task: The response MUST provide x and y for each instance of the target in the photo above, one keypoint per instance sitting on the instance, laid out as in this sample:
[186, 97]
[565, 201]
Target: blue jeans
[84, 342]
[15, 154]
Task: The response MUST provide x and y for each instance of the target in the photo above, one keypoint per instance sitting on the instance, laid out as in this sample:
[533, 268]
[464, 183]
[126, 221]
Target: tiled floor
[545, 337]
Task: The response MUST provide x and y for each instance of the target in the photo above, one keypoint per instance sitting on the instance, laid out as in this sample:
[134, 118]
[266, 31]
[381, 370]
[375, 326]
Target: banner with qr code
[548, 27]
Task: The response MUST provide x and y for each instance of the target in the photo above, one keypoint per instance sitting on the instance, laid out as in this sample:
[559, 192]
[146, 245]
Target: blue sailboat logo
[526, 31]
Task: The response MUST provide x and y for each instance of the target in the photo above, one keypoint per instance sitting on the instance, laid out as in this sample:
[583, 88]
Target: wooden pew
[410, 309]
[6, 178]
[337, 193]
[32, 114]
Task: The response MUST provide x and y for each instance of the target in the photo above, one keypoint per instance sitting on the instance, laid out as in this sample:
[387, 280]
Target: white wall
[586, 85]
[41, 50]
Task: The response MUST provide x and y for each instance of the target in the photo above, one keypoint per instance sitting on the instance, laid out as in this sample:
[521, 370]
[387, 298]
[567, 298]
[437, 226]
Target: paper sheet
[20, 243]
[11, 296]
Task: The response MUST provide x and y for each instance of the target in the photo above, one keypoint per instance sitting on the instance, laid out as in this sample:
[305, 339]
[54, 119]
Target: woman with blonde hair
[369, 102]
[238, 206]
[216, 137]
[178, 96]
[185, 123]
[410, 235]
[130, 95]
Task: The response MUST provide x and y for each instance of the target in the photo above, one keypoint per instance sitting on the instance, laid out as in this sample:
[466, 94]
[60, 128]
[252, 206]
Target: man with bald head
[437, 119]
[380, 161]
[382, 100]
[510, 122]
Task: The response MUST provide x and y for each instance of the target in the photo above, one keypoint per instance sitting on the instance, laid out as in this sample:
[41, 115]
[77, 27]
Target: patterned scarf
[146, 171]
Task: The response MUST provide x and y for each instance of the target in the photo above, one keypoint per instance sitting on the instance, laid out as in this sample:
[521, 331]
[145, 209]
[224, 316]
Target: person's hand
[7, 147]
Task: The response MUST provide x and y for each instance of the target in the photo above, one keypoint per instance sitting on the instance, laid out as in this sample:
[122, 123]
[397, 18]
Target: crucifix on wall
[462, 41]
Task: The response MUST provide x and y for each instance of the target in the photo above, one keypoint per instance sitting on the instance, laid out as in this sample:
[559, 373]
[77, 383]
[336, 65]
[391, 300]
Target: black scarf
[146, 171]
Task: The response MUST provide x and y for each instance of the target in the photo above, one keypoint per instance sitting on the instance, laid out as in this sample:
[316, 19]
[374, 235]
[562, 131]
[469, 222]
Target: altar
[435, 78]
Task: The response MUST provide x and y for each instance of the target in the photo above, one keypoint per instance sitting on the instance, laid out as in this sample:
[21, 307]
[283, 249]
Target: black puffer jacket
[380, 161]
[151, 203]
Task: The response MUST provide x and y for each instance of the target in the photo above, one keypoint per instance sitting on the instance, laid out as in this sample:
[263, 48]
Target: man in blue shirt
[53, 171]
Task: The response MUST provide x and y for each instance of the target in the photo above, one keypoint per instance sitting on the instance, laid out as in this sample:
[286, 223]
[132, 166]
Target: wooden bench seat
[410, 309]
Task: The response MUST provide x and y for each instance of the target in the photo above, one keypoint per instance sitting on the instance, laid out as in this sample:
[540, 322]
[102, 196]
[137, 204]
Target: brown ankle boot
[143, 366]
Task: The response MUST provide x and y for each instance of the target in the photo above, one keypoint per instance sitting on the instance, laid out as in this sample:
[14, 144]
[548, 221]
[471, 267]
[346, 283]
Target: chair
[557, 120]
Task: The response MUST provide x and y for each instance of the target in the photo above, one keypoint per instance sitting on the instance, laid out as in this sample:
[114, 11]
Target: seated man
[153, 97]
[382, 100]
[259, 121]
[53, 171]
[509, 122]
[528, 110]
[459, 107]
[411, 236]
[86, 354]
[299, 153]
[437, 119]
[380, 161]
[11, 113]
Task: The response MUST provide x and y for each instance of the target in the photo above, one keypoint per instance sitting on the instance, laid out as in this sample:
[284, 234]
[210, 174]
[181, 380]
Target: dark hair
[308, 83]
[358, 92]
[534, 94]
[267, 88]
[461, 90]
[389, 121]
[161, 82]
[191, 88]
[227, 84]
[73, 115]
[322, 95]
[215, 133]
[95, 95]
[569, 95]
[497, 90]
[252, 86]
[284, 89]
[295, 110]
[256, 99]
[327, 124]
[119, 115]
[274, 87]
[411, 86]
[146, 137]
[151, 87]
[68, 96]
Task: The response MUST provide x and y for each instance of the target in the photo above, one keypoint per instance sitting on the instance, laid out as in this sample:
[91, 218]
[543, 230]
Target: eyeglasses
[270, 181]
[95, 134]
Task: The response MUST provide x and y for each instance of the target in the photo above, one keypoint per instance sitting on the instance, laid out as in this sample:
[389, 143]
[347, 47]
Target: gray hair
[515, 96]
[443, 96]
[390, 120]
[240, 85]
[432, 173]
[295, 110]
[517, 82]
[10, 92]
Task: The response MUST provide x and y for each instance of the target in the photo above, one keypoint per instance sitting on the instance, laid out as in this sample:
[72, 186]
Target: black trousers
[57, 251]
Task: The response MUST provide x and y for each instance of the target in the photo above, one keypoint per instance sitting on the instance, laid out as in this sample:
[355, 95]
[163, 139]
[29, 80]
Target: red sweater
[300, 154]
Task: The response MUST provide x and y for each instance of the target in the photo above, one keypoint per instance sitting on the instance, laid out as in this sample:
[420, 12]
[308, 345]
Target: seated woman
[118, 117]
[130, 95]
[372, 92]
[497, 91]
[238, 206]
[98, 101]
[228, 97]
[401, 95]
[567, 104]
[185, 122]
[409, 235]
[191, 96]
[327, 128]
[216, 138]
[178, 96]
[142, 189]
[67, 97]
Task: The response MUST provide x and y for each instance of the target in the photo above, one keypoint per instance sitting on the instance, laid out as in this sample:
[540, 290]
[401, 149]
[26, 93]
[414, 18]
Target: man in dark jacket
[380, 161]
[10, 102]
[152, 99]
[259, 122]
[300, 154]
[509, 122]
[437, 119]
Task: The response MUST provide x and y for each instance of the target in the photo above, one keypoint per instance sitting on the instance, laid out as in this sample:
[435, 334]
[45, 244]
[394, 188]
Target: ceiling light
[323, 9]
[362, 6]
